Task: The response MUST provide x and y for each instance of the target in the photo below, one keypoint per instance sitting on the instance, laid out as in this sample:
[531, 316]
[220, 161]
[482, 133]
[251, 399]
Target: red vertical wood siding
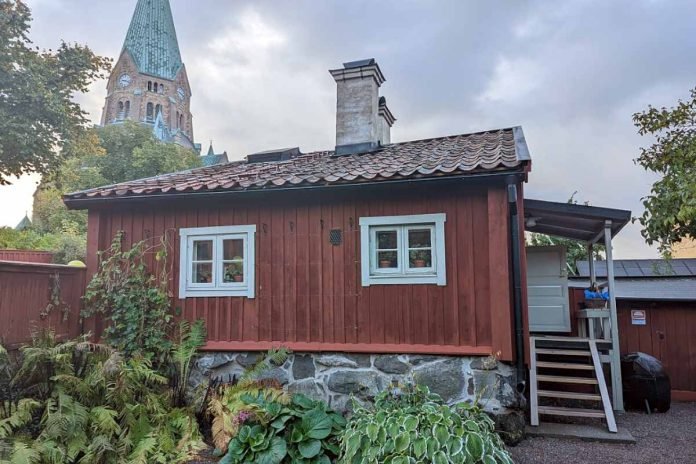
[25, 291]
[309, 294]
[669, 334]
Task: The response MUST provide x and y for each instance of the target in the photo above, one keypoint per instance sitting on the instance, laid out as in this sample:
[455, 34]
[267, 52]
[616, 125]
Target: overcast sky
[570, 73]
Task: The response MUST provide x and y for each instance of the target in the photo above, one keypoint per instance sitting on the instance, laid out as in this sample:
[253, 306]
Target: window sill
[404, 280]
[246, 293]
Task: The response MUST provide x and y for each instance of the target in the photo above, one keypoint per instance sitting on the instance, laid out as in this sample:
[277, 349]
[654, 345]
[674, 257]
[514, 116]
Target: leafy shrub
[134, 300]
[227, 407]
[302, 431]
[413, 425]
[83, 402]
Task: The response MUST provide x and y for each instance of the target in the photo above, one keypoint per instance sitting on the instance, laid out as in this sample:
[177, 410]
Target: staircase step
[559, 365]
[569, 395]
[573, 412]
[564, 379]
[563, 352]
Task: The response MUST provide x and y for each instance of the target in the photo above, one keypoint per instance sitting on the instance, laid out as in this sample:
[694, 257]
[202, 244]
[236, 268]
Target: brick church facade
[149, 84]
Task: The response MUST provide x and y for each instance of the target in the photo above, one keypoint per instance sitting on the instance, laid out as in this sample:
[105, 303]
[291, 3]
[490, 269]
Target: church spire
[151, 39]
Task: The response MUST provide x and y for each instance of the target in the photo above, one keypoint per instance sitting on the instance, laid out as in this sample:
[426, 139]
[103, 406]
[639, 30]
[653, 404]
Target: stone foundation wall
[334, 377]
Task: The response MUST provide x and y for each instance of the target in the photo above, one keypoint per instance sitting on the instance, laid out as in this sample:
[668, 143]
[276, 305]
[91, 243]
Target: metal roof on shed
[643, 268]
[652, 288]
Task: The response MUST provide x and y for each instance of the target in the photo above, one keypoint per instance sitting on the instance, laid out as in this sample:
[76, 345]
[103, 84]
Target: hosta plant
[304, 431]
[409, 425]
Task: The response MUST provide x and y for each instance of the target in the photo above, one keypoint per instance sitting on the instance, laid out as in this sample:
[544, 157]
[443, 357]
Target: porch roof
[568, 220]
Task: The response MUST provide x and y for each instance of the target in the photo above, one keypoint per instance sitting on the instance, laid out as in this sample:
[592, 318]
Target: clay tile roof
[496, 150]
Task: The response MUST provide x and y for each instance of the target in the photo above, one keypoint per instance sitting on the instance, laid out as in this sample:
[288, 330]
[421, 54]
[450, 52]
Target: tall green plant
[85, 403]
[410, 424]
[134, 301]
[190, 337]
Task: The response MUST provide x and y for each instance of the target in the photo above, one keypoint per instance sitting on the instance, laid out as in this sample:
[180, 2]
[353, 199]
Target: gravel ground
[660, 438]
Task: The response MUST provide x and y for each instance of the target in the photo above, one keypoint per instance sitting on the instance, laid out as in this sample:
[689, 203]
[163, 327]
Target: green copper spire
[151, 39]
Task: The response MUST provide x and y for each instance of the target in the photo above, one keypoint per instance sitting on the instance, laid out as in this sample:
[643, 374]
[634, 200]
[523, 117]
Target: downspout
[517, 283]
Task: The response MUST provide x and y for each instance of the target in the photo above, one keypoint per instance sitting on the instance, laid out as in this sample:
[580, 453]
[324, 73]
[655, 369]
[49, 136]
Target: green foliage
[67, 244]
[134, 301]
[303, 431]
[154, 158]
[227, 407]
[670, 208]
[51, 215]
[413, 425]
[38, 114]
[133, 152]
[84, 403]
[189, 338]
[97, 156]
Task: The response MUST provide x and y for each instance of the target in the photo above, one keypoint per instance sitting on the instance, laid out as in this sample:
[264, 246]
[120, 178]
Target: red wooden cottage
[373, 261]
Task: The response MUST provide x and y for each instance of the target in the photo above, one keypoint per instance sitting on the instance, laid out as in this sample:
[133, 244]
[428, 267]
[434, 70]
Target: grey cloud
[571, 73]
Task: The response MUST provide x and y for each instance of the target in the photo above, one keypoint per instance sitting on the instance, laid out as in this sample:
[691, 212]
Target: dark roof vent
[270, 156]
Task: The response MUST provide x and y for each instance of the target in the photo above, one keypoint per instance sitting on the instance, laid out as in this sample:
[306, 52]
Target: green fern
[95, 408]
[190, 338]
[22, 416]
[274, 357]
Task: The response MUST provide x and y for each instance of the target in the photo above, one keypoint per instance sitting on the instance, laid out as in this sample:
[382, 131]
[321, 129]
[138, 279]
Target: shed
[656, 302]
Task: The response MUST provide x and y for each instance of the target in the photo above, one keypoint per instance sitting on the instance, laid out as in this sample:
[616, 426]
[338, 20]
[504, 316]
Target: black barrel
[646, 384]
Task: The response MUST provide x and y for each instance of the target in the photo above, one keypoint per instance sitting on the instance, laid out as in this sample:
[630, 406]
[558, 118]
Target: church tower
[148, 84]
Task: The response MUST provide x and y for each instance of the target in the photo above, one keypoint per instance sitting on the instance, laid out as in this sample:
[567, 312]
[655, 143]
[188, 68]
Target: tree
[670, 208]
[119, 142]
[97, 156]
[38, 115]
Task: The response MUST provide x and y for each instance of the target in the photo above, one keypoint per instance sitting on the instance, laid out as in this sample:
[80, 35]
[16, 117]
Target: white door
[547, 289]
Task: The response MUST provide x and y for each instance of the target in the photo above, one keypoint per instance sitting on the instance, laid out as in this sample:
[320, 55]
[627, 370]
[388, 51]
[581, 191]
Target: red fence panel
[26, 256]
[35, 296]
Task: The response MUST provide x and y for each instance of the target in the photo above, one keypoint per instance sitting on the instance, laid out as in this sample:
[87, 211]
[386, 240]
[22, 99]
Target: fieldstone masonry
[335, 377]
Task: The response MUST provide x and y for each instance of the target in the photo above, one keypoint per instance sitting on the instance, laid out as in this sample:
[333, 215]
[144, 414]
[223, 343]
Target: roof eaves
[81, 201]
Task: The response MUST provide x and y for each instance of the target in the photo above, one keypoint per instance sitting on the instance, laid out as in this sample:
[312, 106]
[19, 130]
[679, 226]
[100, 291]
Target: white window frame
[189, 289]
[402, 275]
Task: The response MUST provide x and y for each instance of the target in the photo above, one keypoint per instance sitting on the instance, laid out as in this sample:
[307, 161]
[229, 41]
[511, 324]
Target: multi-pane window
[403, 249]
[217, 261]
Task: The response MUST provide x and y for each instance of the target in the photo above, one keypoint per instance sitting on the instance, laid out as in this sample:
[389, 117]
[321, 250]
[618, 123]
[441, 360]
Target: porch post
[590, 260]
[617, 388]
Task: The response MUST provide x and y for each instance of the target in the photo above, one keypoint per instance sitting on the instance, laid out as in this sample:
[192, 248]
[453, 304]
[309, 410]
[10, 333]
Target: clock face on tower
[182, 93]
[124, 80]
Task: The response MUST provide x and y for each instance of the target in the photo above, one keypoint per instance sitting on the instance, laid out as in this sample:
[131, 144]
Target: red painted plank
[501, 313]
[289, 302]
[350, 348]
[302, 272]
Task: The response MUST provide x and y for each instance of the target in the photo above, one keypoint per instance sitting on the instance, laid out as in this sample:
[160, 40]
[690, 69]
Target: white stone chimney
[363, 121]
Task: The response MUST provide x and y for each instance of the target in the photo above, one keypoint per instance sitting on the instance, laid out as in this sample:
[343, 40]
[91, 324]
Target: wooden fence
[26, 256]
[35, 296]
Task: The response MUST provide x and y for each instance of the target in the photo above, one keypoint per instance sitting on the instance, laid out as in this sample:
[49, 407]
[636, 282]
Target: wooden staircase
[558, 362]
